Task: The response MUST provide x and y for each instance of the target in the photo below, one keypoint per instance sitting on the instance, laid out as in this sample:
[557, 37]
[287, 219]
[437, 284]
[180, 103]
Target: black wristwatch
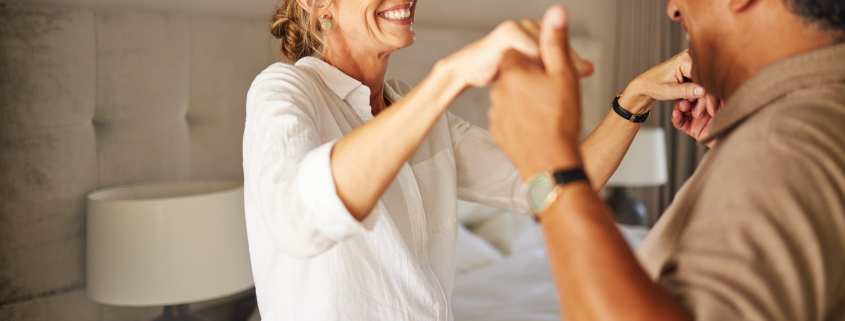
[628, 116]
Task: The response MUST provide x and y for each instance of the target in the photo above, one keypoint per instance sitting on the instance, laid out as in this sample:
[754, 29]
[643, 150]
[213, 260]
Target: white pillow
[472, 214]
[511, 233]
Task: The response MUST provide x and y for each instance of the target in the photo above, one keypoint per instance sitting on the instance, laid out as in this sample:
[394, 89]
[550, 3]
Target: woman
[351, 205]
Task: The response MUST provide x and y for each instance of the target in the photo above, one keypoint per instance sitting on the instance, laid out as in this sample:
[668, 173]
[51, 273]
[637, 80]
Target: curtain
[645, 38]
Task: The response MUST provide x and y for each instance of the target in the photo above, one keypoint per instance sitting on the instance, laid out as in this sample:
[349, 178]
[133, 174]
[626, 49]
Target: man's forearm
[597, 275]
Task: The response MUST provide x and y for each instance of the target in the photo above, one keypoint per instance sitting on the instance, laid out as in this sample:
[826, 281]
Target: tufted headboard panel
[92, 98]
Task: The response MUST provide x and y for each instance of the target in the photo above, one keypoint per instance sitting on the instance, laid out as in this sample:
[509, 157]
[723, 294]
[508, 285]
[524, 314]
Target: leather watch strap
[628, 116]
[566, 177]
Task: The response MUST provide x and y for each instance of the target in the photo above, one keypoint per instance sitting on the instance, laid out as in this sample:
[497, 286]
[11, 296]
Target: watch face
[538, 190]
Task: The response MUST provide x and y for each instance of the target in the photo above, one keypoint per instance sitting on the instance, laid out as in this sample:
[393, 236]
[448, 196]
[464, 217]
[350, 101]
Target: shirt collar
[391, 94]
[346, 87]
[338, 82]
[777, 80]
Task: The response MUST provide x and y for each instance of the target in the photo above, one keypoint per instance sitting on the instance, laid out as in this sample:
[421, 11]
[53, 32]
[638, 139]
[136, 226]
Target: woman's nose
[673, 11]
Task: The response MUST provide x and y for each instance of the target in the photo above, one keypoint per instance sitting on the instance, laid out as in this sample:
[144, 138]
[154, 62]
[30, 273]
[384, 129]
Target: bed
[501, 271]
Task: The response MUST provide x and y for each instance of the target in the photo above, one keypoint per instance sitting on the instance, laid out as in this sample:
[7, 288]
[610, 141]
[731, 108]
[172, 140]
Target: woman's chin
[404, 41]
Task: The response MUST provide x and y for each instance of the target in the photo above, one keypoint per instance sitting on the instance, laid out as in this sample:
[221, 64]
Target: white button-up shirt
[311, 259]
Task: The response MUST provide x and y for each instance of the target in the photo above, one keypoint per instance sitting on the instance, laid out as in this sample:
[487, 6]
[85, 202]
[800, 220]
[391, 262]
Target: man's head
[730, 40]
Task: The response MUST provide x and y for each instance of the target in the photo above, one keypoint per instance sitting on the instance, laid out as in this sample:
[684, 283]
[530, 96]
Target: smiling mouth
[400, 12]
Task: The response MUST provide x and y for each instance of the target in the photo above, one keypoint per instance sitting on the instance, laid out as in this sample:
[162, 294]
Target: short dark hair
[827, 14]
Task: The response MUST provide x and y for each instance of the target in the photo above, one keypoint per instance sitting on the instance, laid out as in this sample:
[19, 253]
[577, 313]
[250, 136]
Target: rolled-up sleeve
[287, 168]
[485, 175]
[318, 192]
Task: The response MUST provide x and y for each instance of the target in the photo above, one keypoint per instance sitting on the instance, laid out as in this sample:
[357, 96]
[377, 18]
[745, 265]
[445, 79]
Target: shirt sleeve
[485, 175]
[288, 169]
[763, 243]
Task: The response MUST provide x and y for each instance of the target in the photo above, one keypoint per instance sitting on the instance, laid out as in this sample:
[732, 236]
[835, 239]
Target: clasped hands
[535, 112]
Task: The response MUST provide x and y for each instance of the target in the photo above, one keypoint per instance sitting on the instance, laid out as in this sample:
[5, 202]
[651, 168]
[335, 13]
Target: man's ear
[737, 5]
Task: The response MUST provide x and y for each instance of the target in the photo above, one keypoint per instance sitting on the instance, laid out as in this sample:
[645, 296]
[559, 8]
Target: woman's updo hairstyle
[298, 31]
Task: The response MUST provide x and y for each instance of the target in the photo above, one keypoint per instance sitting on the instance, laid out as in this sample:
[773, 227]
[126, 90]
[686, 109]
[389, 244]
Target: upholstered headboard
[92, 98]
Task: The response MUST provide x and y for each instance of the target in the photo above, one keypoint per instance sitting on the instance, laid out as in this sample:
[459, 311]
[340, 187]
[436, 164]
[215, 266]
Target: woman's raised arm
[365, 161]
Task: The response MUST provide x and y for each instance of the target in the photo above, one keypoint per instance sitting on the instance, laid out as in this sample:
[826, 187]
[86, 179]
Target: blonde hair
[300, 34]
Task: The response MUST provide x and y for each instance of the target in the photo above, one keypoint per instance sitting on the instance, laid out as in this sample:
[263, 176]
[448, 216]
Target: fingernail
[699, 91]
[555, 17]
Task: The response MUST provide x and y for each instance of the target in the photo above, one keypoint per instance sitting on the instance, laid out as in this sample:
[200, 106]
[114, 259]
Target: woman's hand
[663, 82]
[478, 63]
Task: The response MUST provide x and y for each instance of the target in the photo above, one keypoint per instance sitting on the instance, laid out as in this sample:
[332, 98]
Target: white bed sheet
[518, 286]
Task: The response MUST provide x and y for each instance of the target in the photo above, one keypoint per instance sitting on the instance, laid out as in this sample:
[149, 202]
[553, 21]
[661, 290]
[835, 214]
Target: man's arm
[535, 117]
[597, 276]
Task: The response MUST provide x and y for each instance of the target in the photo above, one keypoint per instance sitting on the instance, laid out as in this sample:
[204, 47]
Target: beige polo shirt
[758, 232]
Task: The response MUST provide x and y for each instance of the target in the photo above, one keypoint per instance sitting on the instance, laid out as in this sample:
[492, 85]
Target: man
[758, 232]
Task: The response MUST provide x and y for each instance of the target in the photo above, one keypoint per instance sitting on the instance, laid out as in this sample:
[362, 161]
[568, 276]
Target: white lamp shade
[645, 163]
[167, 244]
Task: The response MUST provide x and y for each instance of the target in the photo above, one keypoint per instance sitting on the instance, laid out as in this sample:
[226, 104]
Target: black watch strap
[628, 116]
[566, 177]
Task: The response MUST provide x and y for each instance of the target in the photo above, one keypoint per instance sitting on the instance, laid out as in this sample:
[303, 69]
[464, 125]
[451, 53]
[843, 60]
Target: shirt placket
[359, 99]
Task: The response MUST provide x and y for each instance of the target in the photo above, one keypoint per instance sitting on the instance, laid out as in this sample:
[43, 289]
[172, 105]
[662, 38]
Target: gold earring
[326, 23]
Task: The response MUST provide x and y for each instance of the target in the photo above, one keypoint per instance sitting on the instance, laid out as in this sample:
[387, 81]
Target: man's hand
[694, 117]
[585, 67]
[535, 113]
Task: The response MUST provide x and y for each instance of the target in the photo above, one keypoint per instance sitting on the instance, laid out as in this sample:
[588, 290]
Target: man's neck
[772, 38]
[367, 67]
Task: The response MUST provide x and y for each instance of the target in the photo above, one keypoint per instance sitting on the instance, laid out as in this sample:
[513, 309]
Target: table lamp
[643, 166]
[167, 244]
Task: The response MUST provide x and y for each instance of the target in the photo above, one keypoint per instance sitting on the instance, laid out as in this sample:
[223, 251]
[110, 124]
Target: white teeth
[401, 14]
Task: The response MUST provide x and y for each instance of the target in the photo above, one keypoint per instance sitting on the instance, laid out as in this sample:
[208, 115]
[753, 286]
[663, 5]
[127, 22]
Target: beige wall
[593, 21]
[412, 64]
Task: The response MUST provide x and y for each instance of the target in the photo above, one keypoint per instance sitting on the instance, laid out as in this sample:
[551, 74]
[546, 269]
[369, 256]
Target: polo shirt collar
[777, 80]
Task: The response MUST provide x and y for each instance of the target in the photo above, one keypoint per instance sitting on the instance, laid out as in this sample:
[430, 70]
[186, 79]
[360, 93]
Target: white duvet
[502, 273]
[502, 268]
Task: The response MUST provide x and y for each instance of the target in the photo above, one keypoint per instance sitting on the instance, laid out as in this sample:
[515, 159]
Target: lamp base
[628, 211]
[180, 312]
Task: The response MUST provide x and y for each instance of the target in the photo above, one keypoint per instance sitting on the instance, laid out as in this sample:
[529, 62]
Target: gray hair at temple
[827, 14]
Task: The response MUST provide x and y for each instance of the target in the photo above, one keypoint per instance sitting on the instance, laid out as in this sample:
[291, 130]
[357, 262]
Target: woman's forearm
[365, 161]
[607, 145]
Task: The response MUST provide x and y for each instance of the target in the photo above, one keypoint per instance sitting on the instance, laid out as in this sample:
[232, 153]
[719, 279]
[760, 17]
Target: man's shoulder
[792, 151]
[808, 110]
[806, 124]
